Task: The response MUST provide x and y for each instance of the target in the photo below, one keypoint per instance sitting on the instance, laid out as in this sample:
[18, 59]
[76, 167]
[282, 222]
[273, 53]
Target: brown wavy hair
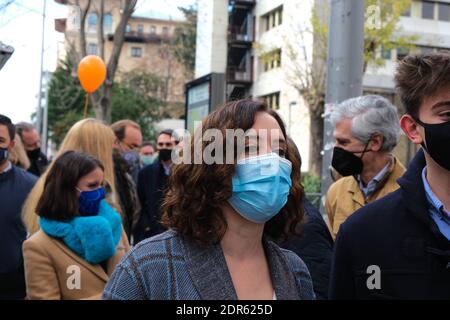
[196, 192]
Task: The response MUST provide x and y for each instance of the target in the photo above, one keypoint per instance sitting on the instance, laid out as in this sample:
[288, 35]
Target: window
[140, 28]
[273, 18]
[402, 52]
[136, 52]
[107, 22]
[385, 53]
[165, 31]
[128, 28]
[272, 60]
[444, 11]
[272, 100]
[428, 10]
[92, 21]
[426, 50]
[152, 29]
[92, 49]
[407, 12]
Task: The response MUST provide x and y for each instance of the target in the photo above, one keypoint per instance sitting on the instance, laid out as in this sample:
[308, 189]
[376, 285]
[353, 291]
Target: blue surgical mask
[147, 159]
[89, 202]
[261, 187]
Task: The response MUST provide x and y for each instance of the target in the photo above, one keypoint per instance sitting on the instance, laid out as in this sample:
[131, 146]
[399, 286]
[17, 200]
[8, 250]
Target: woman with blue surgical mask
[81, 238]
[223, 214]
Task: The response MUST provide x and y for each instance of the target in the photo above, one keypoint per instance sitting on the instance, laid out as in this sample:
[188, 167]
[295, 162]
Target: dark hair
[5, 121]
[419, 76]
[168, 132]
[196, 192]
[148, 144]
[120, 126]
[59, 199]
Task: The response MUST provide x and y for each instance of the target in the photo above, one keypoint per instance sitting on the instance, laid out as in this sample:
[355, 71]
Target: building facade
[253, 47]
[429, 23]
[247, 41]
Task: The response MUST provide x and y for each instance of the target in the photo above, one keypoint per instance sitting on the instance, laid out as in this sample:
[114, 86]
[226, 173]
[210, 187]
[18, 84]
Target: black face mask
[437, 138]
[165, 154]
[346, 163]
[34, 154]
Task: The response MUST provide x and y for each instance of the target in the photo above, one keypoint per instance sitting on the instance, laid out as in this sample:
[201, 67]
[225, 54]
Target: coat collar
[210, 275]
[414, 196]
[395, 168]
[96, 269]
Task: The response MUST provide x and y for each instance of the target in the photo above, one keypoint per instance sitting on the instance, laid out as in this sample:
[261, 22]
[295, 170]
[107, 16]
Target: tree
[307, 73]
[5, 4]
[102, 98]
[183, 45]
[136, 97]
[65, 100]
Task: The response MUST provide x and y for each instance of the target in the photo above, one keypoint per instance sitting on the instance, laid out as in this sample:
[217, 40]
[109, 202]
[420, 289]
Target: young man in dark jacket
[152, 182]
[399, 246]
[15, 184]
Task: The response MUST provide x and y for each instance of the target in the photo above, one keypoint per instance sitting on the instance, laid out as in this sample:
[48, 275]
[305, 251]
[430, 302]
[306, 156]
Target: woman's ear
[412, 130]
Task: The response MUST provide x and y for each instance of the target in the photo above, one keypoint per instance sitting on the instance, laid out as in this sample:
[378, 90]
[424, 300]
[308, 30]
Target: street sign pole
[344, 70]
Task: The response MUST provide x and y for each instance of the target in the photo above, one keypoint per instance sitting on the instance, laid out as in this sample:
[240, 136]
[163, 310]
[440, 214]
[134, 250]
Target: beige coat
[345, 197]
[53, 271]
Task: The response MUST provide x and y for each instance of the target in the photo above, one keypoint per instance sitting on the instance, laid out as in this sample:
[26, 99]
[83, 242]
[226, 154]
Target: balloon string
[86, 97]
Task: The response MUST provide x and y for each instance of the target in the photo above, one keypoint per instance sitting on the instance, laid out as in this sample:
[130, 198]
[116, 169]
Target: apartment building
[145, 48]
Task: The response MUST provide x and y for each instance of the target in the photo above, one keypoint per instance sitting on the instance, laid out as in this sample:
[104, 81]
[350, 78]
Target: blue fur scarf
[93, 238]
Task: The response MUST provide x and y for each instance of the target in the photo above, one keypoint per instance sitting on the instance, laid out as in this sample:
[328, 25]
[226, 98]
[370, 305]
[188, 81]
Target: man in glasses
[152, 181]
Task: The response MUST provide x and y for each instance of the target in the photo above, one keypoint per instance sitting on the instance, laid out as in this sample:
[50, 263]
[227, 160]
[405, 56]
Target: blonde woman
[90, 136]
[18, 155]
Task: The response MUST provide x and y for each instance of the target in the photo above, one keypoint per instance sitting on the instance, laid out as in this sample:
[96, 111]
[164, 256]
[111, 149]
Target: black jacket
[151, 186]
[38, 165]
[15, 186]
[315, 247]
[397, 235]
[126, 189]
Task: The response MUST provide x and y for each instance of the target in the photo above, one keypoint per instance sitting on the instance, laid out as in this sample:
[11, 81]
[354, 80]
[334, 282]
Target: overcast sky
[20, 27]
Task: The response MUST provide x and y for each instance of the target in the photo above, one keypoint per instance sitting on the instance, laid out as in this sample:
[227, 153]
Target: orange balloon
[91, 72]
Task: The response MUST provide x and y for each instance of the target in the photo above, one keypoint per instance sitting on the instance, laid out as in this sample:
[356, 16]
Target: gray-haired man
[366, 130]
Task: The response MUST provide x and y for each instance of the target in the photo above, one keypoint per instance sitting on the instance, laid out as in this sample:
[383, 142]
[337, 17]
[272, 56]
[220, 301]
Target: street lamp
[292, 103]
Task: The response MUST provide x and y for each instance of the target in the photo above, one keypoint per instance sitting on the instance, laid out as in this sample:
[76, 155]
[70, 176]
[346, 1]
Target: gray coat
[171, 267]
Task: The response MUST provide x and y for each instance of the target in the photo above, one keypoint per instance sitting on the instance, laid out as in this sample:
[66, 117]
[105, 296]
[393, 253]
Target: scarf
[94, 238]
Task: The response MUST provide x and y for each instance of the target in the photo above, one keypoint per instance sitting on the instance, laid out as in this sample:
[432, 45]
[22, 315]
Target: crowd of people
[114, 217]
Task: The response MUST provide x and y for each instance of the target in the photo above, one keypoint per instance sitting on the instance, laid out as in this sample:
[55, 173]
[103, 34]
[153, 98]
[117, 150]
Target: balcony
[141, 37]
[242, 3]
[238, 75]
[236, 34]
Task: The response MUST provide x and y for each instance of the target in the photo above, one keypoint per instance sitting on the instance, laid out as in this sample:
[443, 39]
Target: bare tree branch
[6, 4]
[119, 37]
[100, 31]
[83, 15]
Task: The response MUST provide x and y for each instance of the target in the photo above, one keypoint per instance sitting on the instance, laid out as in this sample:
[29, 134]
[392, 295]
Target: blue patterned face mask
[261, 186]
[3, 154]
[89, 202]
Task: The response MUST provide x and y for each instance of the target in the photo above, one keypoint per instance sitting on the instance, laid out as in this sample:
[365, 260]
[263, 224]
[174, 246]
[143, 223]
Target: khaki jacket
[345, 197]
[54, 272]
